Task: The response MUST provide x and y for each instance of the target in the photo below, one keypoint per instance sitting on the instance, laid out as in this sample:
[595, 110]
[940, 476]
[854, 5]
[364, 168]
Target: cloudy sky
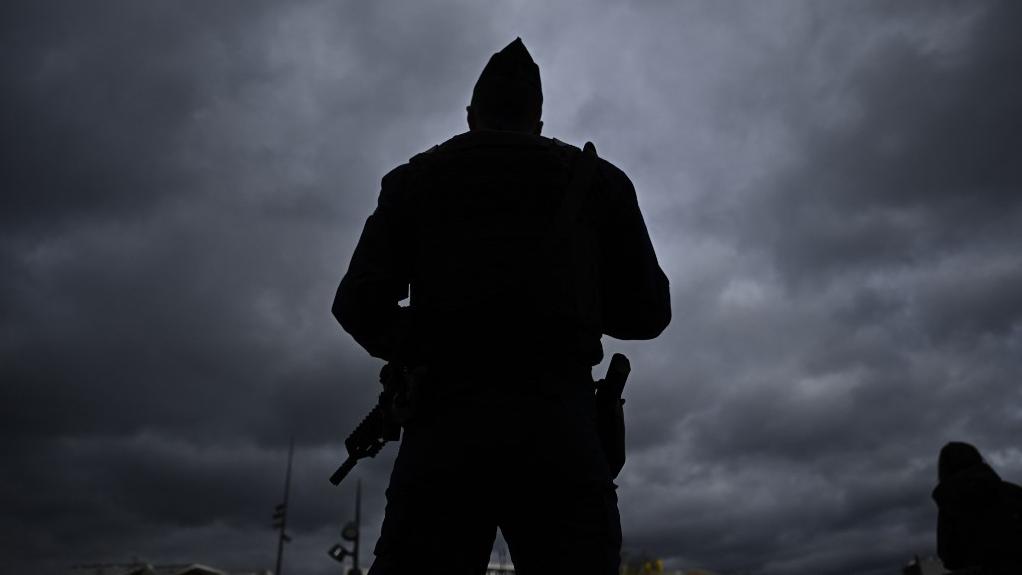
[834, 189]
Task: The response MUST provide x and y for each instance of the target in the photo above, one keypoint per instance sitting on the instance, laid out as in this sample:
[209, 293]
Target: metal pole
[283, 522]
[358, 522]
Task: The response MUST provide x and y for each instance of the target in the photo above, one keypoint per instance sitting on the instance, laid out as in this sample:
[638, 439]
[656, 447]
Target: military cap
[510, 82]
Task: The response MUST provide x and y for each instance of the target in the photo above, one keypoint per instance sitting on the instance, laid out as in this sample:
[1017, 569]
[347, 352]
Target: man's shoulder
[397, 184]
[440, 154]
[612, 184]
[402, 171]
[397, 175]
[607, 170]
[480, 139]
[423, 155]
[563, 146]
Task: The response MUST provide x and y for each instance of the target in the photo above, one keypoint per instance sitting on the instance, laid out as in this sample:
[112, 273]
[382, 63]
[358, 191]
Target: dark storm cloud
[931, 166]
[165, 230]
[181, 194]
[870, 314]
[834, 192]
[96, 104]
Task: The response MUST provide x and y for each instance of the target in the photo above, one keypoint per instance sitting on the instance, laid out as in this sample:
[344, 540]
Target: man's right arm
[367, 301]
[635, 291]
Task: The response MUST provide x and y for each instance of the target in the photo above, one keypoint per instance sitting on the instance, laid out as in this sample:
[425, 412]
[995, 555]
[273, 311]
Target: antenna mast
[280, 512]
[358, 525]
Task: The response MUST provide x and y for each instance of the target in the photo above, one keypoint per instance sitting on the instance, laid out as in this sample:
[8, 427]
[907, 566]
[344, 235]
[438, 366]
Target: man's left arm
[366, 304]
[636, 292]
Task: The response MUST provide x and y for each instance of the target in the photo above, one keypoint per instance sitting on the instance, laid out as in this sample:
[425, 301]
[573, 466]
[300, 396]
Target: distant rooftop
[147, 569]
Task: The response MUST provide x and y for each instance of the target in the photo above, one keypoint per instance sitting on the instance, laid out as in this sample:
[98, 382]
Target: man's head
[955, 457]
[508, 95]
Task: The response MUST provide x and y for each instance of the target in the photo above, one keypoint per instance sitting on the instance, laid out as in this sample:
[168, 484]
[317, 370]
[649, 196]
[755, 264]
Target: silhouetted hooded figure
[979, 522]
[504, 434]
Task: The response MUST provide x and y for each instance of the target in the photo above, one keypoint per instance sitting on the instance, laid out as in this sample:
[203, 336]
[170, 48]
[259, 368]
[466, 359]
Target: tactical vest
[495, 275]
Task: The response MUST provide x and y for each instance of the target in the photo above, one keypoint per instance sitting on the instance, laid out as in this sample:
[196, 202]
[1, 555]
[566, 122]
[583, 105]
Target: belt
[521, 377]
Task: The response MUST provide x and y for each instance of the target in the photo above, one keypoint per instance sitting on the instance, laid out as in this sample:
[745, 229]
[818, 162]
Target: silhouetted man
[979, 521]
[508, 321]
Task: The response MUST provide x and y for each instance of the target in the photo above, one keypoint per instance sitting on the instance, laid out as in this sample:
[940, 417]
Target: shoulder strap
[573, 249]
[581, 182]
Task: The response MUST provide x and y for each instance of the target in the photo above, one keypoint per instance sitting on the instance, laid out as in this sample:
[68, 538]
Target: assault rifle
[384, 421]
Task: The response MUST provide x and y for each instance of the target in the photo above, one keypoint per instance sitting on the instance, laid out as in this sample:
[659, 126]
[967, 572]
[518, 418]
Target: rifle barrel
[343, 470]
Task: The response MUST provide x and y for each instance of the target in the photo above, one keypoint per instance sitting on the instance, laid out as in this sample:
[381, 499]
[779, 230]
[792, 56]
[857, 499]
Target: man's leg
[576, 532]
[439, 517]
[561, 515]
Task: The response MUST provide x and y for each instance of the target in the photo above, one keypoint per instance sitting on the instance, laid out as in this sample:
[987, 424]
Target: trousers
[522, 458]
